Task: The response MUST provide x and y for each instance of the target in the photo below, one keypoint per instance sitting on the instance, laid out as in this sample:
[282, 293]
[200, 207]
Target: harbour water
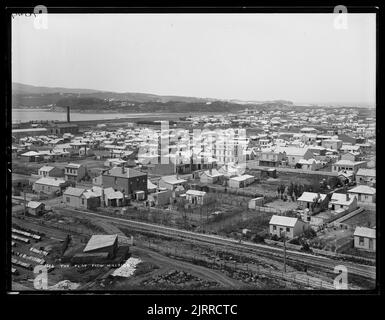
[26, 115]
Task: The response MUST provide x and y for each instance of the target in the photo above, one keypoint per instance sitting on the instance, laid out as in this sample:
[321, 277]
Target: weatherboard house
[287, 226]
[80, 198]
[365, 238]
[363, 193]
[211, 176]
[49, 185]
[306, 200]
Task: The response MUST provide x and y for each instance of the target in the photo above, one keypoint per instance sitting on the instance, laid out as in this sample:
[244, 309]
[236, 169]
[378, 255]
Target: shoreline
[129, 117]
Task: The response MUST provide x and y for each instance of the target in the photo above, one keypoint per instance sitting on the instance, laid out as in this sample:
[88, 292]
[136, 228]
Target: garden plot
[282, 205]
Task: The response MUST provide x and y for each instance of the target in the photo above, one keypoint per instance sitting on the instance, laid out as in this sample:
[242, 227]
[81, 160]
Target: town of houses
[310, 174]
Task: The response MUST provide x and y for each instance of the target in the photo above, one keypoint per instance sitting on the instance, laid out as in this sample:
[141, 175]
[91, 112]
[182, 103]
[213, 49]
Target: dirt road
[201, 272]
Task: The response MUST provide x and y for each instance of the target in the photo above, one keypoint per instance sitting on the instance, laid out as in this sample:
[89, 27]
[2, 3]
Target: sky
[298, 57]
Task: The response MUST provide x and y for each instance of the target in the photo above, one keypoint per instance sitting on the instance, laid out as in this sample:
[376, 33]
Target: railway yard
[170, 258]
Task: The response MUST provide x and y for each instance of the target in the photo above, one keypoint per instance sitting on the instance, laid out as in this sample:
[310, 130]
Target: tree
[296, 191]
[301, 189]
[305, 247]
[323, 184]
[274, 237]
[309, 233]
[258, 239]
[290, 189]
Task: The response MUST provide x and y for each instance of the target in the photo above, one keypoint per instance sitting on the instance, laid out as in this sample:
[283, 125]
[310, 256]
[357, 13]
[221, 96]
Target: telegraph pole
[284, 252]
[25, 203]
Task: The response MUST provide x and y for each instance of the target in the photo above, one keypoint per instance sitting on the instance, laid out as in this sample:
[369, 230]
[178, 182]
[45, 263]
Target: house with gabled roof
[294, 154]
[196, 197]
[350, 156]
[35, 208]
[364, 193]
[365, 238]
[308, 198]
[211, 176]
[342, 201]
[31, 156]
[348, 165]
[287, 226]
[49, 185]
[171, 182]
[80, 198]
[366, 176]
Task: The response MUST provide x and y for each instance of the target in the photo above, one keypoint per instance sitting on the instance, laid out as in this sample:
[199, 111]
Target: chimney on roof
[347, 197]
[68, 114]
[123, 171]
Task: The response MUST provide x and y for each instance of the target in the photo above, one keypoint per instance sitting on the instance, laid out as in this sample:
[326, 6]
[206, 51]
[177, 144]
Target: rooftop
[173, 179]
[71, 191]
[100, 241]
[51, 182]
[124, 172]
[196, 193]
[46, 168]
[366, 172]
[29, 130]
[295, 151]
[34, 204]
[213, 173]
[283, 221]
[363, 189]
[309, 196]
[73, 165]
[31, 154]
[348, 163]
[242, 178]
[365, 232]
[341, 199]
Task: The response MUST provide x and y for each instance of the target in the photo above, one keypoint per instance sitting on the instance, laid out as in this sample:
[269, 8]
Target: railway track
[325, 263]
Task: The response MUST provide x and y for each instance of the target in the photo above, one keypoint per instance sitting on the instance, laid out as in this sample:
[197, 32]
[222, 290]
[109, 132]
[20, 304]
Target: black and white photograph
[192, 152]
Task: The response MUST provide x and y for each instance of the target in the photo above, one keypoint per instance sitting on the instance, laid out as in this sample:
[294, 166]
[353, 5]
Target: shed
[102, 243]
[35, 208]
[256, 202]
[241, 181]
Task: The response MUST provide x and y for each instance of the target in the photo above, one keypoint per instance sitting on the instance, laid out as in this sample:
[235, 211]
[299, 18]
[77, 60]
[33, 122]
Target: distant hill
[27, 96]
[25, 89]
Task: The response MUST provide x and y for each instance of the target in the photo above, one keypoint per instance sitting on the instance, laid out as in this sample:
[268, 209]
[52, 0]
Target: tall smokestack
[68, 114]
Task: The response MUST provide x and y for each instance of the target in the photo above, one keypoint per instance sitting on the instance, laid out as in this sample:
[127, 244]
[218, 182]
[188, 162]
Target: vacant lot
[366, 218]
[282, 205]
[331, 238]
